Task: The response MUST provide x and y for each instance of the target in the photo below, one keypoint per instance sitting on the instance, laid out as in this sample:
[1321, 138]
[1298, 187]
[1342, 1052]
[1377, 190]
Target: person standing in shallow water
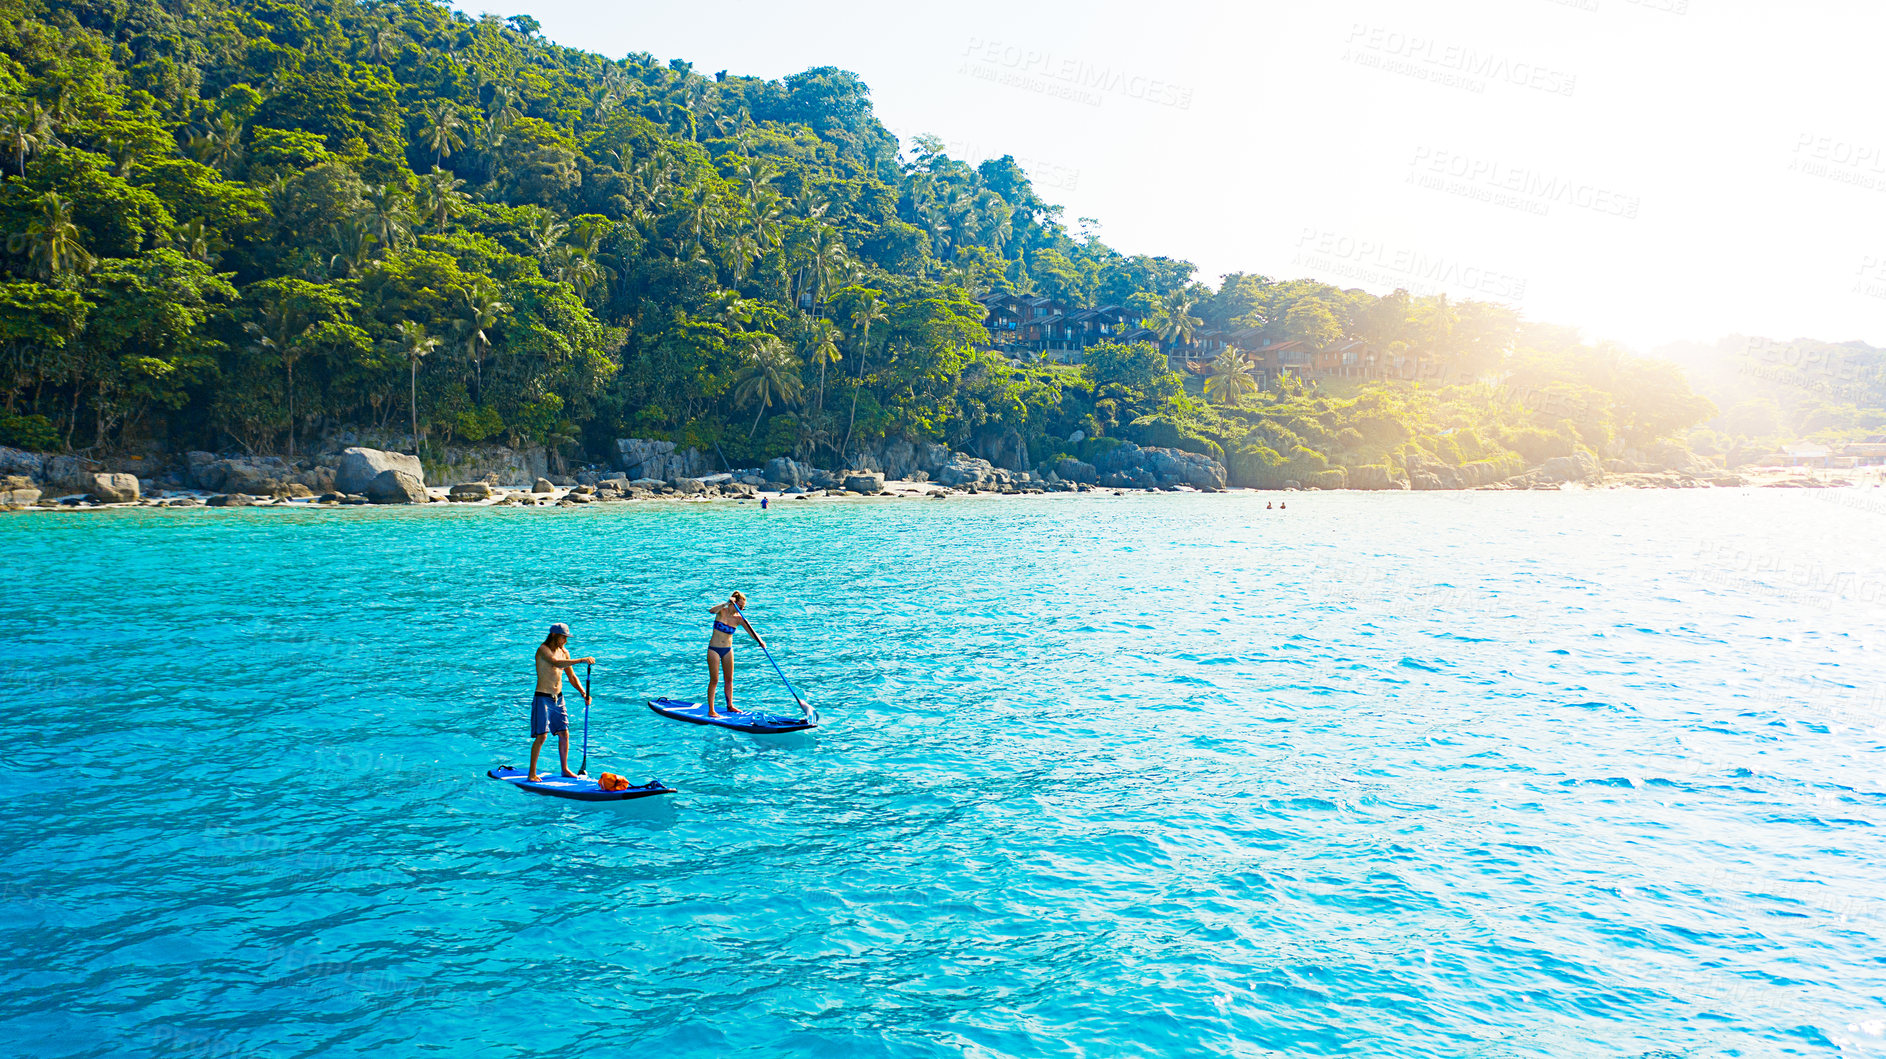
[727, 621]
[546, 706]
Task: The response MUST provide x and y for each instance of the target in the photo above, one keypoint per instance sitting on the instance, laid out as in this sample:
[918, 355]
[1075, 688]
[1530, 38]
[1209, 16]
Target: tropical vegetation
[245, 225]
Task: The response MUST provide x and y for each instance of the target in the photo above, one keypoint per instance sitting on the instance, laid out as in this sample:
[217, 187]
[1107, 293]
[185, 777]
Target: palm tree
[441, 133]
[755, 177]
[27, 129]
[867, 309]
[770, 376]
[742, 251]
[828, 258]
[999, 225]
[810, 203]
[1230, 381]
[580, 270]
[763, 209]
[824, 343]
[1177, 325]
[284, 322]
[219, 144]
[353, 244]
[702, 216]
[387, 216]
[483, 309]
[382, 39]
[414, 344]
[545, 232]
[198, 240]
[439, 196]
[53, 239]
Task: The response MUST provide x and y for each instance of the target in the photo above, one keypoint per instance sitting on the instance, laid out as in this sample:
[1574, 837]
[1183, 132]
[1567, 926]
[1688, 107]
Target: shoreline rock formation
[359, 474]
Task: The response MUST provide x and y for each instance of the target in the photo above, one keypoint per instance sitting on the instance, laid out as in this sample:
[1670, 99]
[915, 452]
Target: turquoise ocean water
[1400, 775]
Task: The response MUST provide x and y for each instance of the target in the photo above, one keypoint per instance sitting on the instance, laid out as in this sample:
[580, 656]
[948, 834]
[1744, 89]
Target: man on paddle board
[546, 706]
[727, 621]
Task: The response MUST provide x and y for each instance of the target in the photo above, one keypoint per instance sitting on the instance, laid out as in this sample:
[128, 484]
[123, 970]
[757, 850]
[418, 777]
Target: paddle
[588, 682]
[805, 708]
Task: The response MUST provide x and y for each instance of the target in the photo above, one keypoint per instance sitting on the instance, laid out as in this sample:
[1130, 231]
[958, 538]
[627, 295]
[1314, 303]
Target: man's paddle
[588, 682]
[805, 708]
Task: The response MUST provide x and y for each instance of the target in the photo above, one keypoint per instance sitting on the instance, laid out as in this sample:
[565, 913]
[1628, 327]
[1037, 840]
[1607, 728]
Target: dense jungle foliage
[246, 224]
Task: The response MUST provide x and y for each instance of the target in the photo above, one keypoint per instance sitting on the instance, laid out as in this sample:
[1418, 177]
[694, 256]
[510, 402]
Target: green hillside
[244, 225]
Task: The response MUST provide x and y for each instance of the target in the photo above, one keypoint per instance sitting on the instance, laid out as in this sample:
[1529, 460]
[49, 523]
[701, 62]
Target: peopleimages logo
[1450, 63]
[1041, 173]
[1518, 187]
[1872, 277]
[1369, 261]
[1858, 164]
[998, 60]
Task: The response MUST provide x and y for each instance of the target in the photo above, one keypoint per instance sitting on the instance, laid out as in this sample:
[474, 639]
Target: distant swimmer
[546, 706]
[727, 621]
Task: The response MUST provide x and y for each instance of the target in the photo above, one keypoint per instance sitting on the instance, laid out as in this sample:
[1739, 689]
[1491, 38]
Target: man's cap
[559, 629]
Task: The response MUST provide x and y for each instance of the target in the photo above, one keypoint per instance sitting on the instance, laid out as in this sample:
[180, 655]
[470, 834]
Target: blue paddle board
[752, 723]
[581, 788]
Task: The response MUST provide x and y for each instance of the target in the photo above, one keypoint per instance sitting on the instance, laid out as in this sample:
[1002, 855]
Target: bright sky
[1646, 169]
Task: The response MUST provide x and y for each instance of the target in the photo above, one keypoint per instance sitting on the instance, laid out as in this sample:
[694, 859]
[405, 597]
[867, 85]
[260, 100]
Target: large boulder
[1574, 468]
[139, 464]
[643, 458]
[318, 480]
[1005, 449]
[244, 476]
[195, 464]
[18, 489]
[870, 483]
[70, 474]
[1374, 476]
[257, 476]
[786, 471]
[1132, 478]
[1670, 456]
[1179, 467]
[21, 463]
[1072, 470]
[898, 459]
[396, 487]
[115, 488]
[362, 466]
[931, 457]
[964, 470]
[1123, 457]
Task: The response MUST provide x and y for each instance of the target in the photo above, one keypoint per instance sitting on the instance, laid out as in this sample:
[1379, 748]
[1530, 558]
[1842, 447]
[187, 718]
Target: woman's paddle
[805, 708]
[588, 682]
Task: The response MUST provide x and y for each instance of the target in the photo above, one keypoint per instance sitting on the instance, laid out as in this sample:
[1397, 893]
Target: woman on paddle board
[727, 621]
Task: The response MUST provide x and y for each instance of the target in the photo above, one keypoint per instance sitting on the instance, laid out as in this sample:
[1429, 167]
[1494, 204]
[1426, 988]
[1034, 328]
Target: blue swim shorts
[547, 716]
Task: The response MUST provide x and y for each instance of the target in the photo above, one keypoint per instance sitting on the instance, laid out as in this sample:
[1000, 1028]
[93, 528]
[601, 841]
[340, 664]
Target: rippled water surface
[1403, 775]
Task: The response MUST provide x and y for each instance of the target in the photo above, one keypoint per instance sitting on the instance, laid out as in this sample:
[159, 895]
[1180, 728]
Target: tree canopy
[250, 221]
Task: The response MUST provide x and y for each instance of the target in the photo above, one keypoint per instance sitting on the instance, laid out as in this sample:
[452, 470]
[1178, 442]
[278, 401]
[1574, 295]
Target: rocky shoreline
[652, 470]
